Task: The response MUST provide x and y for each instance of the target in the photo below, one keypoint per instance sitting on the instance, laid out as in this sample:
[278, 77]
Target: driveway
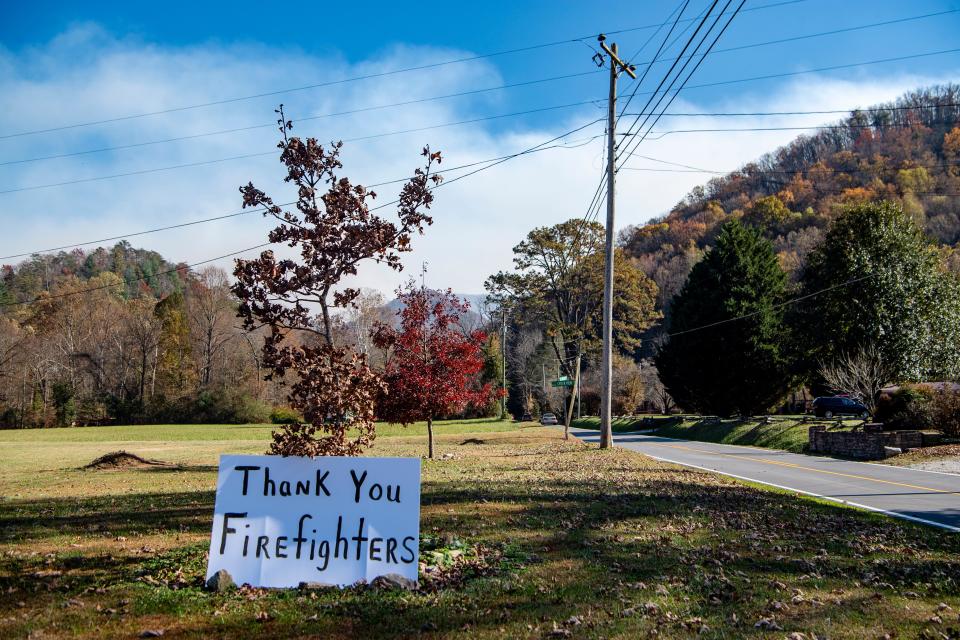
[928, 497]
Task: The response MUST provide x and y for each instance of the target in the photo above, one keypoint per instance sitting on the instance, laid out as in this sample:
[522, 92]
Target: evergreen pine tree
[729, 366]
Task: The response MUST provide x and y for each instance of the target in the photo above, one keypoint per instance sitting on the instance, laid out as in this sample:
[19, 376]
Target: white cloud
[87, 74]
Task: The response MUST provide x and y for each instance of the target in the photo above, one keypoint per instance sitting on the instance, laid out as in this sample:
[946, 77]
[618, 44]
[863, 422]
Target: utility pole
[573, 397]
[503, 354]
[606, 392]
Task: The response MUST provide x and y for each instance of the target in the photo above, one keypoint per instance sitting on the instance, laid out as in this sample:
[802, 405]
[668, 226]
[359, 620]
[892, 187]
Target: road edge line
[893, 514]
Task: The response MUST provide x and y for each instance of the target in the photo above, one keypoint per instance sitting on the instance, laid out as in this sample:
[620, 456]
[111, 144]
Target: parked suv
[829, 406]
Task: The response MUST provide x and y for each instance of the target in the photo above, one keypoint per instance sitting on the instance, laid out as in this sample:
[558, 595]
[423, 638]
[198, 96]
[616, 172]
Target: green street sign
[562, 382]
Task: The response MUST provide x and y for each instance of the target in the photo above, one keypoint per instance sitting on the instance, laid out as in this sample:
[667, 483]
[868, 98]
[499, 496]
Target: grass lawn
[558, 540]
[790, 433]
[619, 425]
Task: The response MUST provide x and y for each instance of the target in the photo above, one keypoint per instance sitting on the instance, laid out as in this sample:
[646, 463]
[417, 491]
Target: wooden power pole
[573, 398]
[503, 372]
[606, 392]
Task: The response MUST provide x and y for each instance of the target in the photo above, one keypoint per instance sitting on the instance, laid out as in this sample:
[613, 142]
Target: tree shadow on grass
[120, 515]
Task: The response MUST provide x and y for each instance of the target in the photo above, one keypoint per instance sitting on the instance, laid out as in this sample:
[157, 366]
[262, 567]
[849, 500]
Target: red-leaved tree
[433, 364]
[333, 230]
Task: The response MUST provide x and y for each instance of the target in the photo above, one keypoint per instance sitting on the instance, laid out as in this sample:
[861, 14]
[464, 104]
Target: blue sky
[65, 63]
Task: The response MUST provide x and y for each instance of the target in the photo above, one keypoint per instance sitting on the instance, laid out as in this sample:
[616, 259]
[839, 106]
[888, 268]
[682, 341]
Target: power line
[752, 172]
[260, 246]
[659, 135]
[369, 76]
[593, 209]
[638, 141]
[569, 105]
[775, 306]
[648, 64]
[815, 112]
[653, 94]
[656, 56]
[820, 69]
[820, 34]
[533, 149]
[570, 145]
[272, 152]
[273, 124]
[303, 119]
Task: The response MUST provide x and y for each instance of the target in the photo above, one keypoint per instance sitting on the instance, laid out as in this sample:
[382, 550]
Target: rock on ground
[221, 581]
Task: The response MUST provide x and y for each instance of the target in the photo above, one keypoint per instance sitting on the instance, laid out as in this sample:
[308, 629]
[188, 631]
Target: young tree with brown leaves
[334, 230]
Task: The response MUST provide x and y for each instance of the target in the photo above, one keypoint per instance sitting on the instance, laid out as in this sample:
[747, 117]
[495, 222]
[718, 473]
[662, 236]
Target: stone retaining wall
[865, 444]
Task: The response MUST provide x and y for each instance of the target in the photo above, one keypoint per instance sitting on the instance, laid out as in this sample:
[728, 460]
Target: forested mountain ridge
[142, 272]
[907, 151]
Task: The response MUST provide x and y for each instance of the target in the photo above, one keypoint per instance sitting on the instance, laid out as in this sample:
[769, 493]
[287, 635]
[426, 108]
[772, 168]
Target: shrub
[284, 415]
[910, 407]
[945, 412]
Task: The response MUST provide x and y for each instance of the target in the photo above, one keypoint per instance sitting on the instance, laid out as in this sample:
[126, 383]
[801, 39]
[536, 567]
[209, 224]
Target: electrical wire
[774, 306]
[639, 140]
[369, 76]
[570, 145]
[273, 152]
[234, 253]
[687, 88]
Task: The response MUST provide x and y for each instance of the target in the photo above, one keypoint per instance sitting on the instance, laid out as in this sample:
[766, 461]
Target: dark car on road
[830, 406]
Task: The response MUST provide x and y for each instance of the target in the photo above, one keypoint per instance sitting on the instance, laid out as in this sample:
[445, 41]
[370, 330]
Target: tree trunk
[430, 437]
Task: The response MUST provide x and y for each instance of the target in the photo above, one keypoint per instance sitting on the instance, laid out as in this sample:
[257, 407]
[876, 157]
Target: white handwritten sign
[281, 521]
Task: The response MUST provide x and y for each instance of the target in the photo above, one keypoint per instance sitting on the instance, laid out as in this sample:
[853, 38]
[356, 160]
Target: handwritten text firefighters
[388, 549]
[281, 521]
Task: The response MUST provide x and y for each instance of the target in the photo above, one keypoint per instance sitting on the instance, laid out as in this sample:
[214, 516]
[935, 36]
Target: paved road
[925, 496]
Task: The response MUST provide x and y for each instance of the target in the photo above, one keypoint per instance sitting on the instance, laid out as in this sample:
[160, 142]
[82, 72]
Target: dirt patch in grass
[124, 460]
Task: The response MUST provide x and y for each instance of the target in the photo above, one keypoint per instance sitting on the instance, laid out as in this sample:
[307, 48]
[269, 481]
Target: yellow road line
[797, 466]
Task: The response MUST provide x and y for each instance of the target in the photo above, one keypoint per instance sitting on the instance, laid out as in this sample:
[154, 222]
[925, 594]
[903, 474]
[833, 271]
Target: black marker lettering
[279, 549]
[360, 538]
[268, 484]
[303, 487]
[375, 548]
[228, 529]
[246, 472]
[391, 550]
[379, 491]
[325, 554]
[406, 541]
[320, 485]
[391, 497]
[357, 483]
[285, 488]
[262, 542]
[336, 548]
[300, 539]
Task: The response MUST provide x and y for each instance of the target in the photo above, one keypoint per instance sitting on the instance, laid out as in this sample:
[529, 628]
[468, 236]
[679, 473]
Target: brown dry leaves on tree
[334, 231]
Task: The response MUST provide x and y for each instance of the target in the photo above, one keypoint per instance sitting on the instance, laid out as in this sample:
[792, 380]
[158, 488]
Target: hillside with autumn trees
[906, 151]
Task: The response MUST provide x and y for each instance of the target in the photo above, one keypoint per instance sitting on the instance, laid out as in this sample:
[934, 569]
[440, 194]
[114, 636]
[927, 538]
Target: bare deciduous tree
[860, 375]
[210, 312]
[656, 392]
